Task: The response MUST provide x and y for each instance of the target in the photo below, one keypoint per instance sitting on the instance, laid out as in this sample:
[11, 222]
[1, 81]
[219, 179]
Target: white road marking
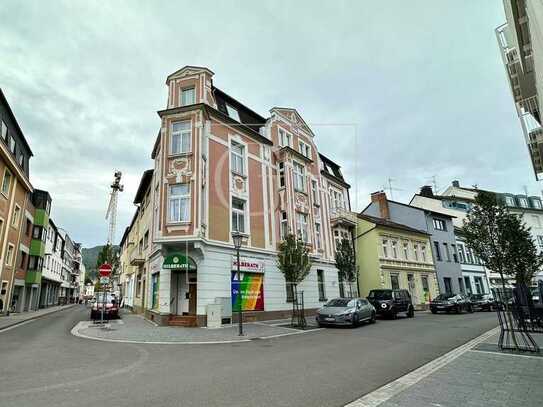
[395, 387]
[17, 325]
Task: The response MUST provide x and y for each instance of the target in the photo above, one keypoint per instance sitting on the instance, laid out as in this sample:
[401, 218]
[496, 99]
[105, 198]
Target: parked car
[110, 306]
[483, 302]
[451, 303]
[346, 311]
[390, 302]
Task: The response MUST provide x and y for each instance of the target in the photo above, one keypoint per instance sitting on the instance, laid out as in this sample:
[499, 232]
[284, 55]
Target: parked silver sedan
[346, 311]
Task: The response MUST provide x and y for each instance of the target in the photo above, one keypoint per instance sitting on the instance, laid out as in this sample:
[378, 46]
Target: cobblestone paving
[135, 328]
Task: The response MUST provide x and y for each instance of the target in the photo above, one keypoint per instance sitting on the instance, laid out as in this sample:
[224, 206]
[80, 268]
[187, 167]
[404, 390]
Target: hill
[90, 255]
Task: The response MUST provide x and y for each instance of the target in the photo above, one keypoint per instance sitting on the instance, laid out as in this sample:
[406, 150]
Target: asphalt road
[41, 363]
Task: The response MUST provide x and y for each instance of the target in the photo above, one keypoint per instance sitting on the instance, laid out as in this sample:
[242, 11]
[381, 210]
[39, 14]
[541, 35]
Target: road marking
[17, 325]
[506, 354]
[395, 387]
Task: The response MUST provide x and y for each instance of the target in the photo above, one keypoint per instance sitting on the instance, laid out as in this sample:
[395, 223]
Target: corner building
[220, 167]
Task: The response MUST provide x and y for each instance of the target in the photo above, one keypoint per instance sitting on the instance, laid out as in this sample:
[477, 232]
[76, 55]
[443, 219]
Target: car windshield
[380, 294]
[442, 297]
[341, 302]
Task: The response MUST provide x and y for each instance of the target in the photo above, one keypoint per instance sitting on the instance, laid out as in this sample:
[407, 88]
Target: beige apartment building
[220, 167]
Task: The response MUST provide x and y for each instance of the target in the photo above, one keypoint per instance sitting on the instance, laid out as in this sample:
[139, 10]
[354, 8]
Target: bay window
[179, 203]
[181, 138]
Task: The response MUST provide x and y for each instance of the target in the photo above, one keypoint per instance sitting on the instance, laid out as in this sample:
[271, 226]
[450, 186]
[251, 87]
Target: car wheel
[355, 320]
[373, 318]
[458, 309]
[434, 311]
[411, 312]
[470, 309]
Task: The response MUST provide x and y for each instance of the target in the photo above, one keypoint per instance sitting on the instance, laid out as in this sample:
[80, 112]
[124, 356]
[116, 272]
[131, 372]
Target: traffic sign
[104, 280]
[105, 270]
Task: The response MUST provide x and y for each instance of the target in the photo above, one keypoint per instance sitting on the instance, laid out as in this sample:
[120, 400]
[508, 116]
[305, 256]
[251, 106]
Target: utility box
[214, 319]
[226, 308]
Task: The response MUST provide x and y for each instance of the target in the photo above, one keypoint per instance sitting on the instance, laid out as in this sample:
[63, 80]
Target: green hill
[90, 255]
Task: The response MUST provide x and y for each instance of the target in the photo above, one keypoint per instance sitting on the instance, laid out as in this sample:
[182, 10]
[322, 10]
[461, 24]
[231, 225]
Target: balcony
[341, 216]
[136, 257]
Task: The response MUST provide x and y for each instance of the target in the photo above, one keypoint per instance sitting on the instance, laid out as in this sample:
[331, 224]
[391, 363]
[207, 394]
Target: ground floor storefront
[49, 293]
[475, 282]
[184, 284]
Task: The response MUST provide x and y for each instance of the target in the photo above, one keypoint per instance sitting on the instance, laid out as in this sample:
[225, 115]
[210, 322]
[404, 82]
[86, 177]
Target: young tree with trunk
[346, 263]
[294, 262]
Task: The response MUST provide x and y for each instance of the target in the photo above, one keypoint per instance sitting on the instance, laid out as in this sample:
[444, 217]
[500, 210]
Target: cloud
[422, 81]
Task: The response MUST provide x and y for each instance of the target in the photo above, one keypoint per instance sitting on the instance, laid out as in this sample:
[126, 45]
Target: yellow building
[392, 255]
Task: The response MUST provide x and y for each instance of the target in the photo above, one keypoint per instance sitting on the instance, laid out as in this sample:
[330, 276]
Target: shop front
[247, 286]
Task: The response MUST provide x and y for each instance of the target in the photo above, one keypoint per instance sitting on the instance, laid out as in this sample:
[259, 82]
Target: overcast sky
[393, 89]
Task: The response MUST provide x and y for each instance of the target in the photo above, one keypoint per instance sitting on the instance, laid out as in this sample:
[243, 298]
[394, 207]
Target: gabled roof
[421, 209]
[389, 224]
[180, 72]
[144, 185]
[297, 116]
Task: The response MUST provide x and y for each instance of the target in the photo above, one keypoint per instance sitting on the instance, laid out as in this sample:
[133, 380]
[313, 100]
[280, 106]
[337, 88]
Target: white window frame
[283, 225]
[16, 216]
[285, 138]
[6, 171]
[180, 197]
[182, 94]
[4, 131]
[301, 226]
[232, 112]
[509, 201]
[237, 157]
[384, 246]
[299, 177]
[12, 144]
[304, 148]
[336, 199]
[394, 249]
[315, 192]
[185, 132]
[439, 224]
[318, 242]
[239, 213]
[9, 254]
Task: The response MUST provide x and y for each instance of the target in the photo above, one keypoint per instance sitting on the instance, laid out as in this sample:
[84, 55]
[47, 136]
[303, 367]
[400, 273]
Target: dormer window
[537, 203]
[509, 201]
[523, 202]
[11, 144]
[233, 113]
[188, 97]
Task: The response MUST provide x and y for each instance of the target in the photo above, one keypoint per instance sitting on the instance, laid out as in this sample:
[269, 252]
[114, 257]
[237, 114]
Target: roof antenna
[390, 188]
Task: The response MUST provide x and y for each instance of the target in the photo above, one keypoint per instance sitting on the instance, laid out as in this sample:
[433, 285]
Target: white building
[52, 267]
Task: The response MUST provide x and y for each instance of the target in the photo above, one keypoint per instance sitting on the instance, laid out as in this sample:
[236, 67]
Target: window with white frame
[281, 172]
[284, 225]
[304, 148]
[317, 235]
[416, 251]
[181, 138]
[315, 192]
[6, 182]
[394, 245]
[9, 255]
[15, 217]
[439, 224]
[12, 144]
[523, 202]
[384, 245]
[4, 129]
[285, 138]
[179, 203]
[233, 113]
[423, 252]
[238, 215]
[537, 203]
[299, 177]
[509, 201]
[336, 199]
[188, 97]
[405, 246]
[301, 226]
[237, 158]
[461, 253]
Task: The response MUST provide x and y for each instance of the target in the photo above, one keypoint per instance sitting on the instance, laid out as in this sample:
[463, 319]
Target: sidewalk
[135, 329]
[479, 376]
[19, 318]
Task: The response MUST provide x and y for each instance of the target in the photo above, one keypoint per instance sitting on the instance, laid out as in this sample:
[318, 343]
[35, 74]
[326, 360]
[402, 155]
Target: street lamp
[238, 238]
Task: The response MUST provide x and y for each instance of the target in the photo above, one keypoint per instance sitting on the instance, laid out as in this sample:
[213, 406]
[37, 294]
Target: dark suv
[390, 302]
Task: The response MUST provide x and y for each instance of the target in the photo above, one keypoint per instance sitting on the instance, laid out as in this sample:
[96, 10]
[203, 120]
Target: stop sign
[105, 270]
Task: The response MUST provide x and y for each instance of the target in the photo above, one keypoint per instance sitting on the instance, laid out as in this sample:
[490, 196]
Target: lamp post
[238, 237]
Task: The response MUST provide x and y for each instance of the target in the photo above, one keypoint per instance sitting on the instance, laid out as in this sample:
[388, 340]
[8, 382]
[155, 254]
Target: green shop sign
[179, 262]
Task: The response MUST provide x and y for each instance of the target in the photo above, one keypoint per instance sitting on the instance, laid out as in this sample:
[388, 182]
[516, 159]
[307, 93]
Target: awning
[177, 261]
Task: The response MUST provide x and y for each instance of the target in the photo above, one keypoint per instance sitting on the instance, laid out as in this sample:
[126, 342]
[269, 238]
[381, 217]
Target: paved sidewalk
[20, 317]
[479, 377]
[135, 329]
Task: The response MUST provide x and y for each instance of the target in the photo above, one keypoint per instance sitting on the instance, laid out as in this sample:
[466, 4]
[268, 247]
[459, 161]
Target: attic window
[233, 113]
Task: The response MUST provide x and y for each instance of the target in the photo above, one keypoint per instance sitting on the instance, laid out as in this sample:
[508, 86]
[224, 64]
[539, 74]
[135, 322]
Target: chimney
[380, 197]
[456, 184]
[426, 191]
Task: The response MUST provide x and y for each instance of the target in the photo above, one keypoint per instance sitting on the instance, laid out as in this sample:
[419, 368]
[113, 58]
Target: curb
[386, 392]
[83, 324]
[34, 317]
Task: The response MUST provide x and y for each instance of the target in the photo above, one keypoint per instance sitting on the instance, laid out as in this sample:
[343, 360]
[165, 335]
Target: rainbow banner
[249, 292]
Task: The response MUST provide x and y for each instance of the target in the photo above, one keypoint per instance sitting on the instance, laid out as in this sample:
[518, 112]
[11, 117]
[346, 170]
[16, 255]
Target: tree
[346, 263]
[501, 240]
[294, 262]
[108, 254]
